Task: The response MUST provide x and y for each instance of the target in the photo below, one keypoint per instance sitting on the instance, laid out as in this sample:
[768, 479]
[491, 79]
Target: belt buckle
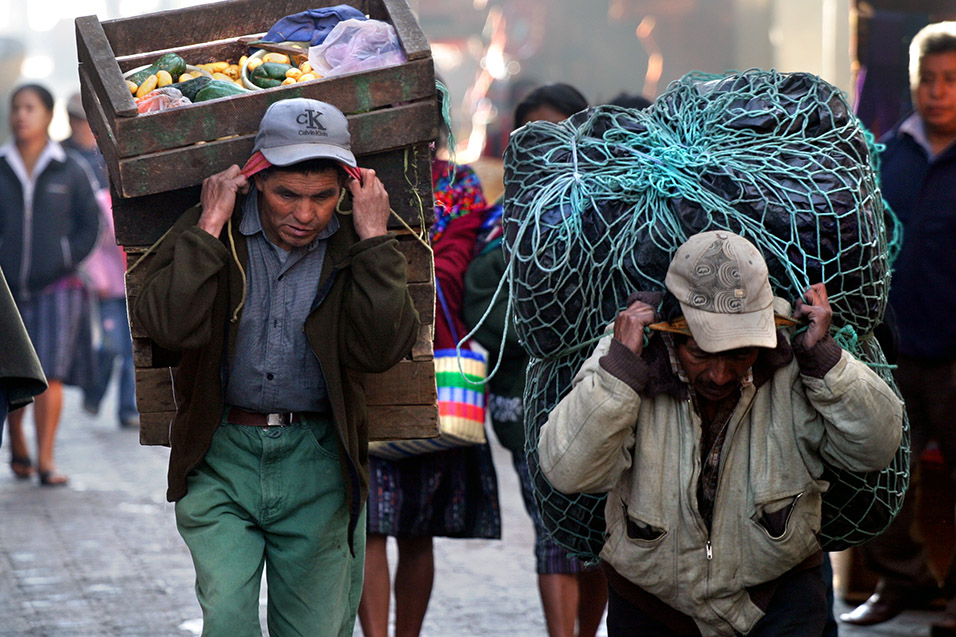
[278, 420]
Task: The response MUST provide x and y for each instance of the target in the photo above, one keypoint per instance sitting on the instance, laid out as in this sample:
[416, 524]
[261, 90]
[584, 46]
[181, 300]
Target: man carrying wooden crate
[275, 300]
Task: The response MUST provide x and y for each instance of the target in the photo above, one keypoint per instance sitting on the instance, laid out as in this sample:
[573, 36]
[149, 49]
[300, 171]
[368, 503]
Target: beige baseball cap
[720, 280]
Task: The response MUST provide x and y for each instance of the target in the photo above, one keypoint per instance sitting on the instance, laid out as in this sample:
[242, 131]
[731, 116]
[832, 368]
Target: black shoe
[91, 408]
[130, 422]
[879, 608]
[944, 628]
[887, 603]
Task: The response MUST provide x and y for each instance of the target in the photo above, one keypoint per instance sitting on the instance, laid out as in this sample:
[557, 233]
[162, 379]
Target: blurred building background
[489, 52]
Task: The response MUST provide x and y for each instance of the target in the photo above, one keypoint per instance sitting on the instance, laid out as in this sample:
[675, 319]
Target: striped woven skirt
[52, 318]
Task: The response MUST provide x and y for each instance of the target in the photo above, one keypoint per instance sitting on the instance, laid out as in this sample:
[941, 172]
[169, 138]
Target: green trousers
[275, 498]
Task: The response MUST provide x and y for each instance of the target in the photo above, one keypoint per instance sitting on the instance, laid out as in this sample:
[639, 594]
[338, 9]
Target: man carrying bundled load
[276, 300]
[711, 437]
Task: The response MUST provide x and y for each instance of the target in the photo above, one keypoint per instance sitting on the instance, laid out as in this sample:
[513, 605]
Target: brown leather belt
[241, 417]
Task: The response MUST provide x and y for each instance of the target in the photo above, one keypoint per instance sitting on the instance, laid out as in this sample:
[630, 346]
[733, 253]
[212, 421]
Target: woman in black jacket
[49, 221]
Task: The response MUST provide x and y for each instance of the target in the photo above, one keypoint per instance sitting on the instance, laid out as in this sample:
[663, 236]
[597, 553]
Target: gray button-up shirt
[274, 369]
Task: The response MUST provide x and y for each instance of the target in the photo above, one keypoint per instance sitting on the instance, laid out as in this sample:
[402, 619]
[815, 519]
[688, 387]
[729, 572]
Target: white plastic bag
[356, 45]
[161, 99]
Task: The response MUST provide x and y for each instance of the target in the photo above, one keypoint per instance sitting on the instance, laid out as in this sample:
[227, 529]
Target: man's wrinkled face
[935, 94]
[295, 207]
[715, 376]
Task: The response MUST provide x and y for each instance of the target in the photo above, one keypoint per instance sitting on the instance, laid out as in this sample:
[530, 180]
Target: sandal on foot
[22, 467]
[52, 479]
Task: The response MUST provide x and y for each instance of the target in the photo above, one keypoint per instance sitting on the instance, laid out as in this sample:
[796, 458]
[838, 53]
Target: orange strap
[679, 325]
[258, 162]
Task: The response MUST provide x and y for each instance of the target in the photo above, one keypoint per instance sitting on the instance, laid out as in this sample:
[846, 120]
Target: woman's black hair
[628, 100]
[564, 98]
[42, 92]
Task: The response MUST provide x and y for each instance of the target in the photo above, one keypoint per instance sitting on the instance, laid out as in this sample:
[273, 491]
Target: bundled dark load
[610, 193]
[596, 206]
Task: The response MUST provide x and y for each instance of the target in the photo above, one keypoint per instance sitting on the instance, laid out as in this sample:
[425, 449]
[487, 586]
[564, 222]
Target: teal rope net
[595, 207]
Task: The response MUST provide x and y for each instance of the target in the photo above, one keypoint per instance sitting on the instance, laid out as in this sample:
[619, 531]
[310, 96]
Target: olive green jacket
[362, 321]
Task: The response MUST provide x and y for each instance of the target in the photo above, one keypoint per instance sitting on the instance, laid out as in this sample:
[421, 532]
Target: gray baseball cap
[297, 129]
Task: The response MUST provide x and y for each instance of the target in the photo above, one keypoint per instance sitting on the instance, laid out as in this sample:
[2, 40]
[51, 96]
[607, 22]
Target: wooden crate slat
[406, 175]
[154, 428]
[409, 34]
[95, 53]
[424, 349]
[143, 220]
[423, 297]
[402, 422]
[136, 329]
[154, 390]
[373, 133]
[166, 30]
[196, 53]
[142, 352]
[240, 114]
[206, 22]
[99, 122]
[420, 263]
[407, 383]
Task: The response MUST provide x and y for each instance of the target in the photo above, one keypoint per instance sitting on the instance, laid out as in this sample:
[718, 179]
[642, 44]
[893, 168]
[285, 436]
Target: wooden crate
[157, 163]
[161, 158]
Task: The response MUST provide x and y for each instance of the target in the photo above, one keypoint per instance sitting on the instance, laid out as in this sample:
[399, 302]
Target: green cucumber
[269, 74]
[264, 82]
[190, 87]
[218, 88]
[170, 62]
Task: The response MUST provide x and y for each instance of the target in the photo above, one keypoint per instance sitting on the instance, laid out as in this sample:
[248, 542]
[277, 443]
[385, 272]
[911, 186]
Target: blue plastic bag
[311, 26]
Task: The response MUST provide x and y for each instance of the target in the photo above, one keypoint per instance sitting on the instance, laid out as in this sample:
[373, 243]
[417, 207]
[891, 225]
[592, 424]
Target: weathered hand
[218, 198]
[818, 312]
[630, 323]
[370, 207]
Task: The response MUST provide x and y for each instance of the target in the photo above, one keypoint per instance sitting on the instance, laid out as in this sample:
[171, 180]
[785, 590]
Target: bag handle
[447, 312]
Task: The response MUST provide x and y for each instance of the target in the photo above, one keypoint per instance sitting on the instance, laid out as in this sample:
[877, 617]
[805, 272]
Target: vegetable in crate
[169, 62]
[192, 86]
[218, 88]
[269, 74]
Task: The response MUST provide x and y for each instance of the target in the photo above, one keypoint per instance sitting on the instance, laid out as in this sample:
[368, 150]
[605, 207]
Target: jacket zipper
[25, 256]
[695, 477]
[708, 545]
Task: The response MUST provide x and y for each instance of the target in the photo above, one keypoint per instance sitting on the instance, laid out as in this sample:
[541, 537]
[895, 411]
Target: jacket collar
[664, 379]
[914, 128]
[53, 151]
